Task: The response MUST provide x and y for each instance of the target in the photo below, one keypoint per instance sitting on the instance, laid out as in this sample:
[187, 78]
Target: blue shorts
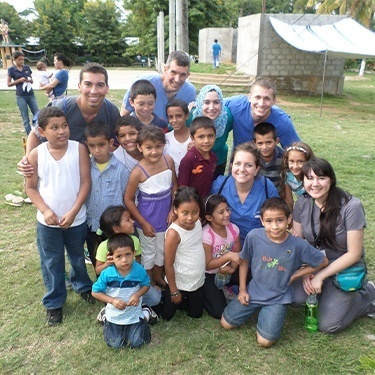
[270, 319]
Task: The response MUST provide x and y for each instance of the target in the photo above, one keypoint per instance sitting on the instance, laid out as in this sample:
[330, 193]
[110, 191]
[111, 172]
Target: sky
[20, 5]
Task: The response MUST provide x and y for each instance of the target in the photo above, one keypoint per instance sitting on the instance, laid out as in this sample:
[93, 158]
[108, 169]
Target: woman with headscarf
[209, 103]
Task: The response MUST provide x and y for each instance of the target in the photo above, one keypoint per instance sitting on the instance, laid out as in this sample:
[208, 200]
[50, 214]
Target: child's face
[152, 151]
[56, 131]
[244, 168]
[220, 216]
[123, 258]
[126, 225]
[177, 118]
[266, 145]
[211, 105]
[42, 67]
[143, 105]
[99, 148]
[204, 139]
[187, 214]
[19, 61]
[127, 137]
[275, 224]
[296, 160]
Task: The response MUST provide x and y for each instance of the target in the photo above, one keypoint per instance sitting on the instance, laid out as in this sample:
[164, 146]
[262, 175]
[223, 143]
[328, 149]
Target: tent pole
[324, 74]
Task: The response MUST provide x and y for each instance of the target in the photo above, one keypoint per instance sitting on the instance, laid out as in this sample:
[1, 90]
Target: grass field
[344, 135]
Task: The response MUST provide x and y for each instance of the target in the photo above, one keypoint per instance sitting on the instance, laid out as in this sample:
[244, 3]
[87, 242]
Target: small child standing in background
[179, 138]
[295, 156]
[142, 97]
[154, 178]
[44, 77]
[58, 189]
[275, 258]
[127, 129]
[198, 165]
[271, 155]
[109, 179]
[184, 257]
[124, 325]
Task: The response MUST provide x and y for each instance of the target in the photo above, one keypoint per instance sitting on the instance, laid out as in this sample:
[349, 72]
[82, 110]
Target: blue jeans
[216, 61]
[151, 297]
[270, 319]
[51, 243]
[131, 335]
[23, 103]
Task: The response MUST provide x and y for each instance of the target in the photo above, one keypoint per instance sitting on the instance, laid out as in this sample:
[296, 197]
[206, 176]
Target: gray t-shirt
[352, 217]
[108, 113]
[272, 264]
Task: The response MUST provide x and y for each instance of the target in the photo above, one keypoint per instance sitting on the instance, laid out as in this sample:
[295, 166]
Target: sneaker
[372, 284]
[68, 283]
[54, 317]
[87, 256]
[150, 315]
[101, 316]
[88, 297]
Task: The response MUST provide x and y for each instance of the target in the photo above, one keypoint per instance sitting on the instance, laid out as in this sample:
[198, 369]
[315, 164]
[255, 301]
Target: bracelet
[175, 294]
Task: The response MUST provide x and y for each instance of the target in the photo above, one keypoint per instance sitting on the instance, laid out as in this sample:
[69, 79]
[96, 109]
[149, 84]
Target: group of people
[162, 198]
[55, 84]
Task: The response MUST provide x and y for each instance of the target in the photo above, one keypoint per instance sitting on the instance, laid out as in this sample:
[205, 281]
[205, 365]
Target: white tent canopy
[346, 38]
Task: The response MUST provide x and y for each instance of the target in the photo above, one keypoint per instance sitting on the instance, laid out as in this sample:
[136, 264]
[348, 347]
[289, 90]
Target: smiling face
[296, 160]
[187, 214]
[211, 105]
[276, 224]
[220, 216]
[127, 137]
[144, 106]
[244, 167]
[262, 100]
[174, 76]
[152, 150]
[177, 118]
[317, 186]
[126, 225]
[93, 89]
[123, 258]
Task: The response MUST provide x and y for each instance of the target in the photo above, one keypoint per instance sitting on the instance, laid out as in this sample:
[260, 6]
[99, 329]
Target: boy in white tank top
[59, 190]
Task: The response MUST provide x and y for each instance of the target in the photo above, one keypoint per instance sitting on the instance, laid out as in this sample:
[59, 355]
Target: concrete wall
[292, 69]
[225, 37]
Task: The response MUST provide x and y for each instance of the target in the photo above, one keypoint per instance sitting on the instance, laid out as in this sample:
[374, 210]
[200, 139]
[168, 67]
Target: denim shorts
[270, 318]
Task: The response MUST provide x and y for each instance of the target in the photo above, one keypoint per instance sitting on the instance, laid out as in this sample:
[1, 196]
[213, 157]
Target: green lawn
[344, 135]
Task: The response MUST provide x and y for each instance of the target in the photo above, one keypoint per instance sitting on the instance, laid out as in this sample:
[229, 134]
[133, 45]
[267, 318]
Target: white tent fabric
[346, 38]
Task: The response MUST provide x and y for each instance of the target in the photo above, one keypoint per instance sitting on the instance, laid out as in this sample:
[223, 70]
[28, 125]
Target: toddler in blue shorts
[275, 258]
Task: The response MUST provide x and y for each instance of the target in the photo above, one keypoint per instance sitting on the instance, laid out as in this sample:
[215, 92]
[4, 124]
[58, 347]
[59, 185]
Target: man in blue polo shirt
[259, 106]
[170, 85]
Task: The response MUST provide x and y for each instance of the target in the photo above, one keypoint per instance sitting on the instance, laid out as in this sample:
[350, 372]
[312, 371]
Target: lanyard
[317, 240]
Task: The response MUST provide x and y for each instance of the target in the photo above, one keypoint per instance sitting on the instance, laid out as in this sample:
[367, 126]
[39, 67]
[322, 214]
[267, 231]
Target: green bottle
[311, 313]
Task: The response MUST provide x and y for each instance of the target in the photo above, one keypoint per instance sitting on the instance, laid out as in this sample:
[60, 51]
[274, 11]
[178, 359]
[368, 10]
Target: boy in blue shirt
[275, 258]
[142, 98]
[122, 286]
[109, 179]
[271, 155]
[59, 190]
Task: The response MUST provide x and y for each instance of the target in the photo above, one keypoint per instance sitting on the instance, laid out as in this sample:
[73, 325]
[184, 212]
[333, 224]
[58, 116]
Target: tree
[18, 27]
[101, 30]
[54, 27]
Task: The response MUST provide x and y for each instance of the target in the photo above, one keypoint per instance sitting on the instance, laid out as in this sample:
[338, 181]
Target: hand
[307, 285]
[191, 106]
[134, 300]
[50, 217]
[317, 284]
[119, 304]
[110, 260]
[148, 230]
[177, 299]
[171, 217]
[67, 220]
[190, 146]
[243, 298]
[24, 167]
[235, 257]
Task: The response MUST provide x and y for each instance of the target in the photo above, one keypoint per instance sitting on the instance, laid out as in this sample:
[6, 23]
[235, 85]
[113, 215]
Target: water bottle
[311, 313]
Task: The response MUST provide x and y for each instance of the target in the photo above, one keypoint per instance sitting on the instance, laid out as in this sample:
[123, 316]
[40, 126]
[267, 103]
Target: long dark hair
[336, 198]
[209, 206]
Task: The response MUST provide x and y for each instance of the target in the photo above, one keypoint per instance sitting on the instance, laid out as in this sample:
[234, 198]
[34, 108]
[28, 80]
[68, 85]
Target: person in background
[216, 53]
[20, 75]
[44, 77]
